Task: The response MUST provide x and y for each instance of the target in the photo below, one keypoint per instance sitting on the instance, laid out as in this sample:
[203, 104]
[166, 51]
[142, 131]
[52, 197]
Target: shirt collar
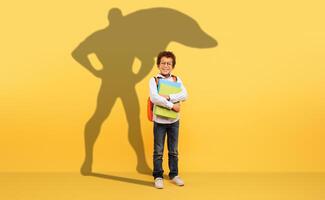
[161, 76]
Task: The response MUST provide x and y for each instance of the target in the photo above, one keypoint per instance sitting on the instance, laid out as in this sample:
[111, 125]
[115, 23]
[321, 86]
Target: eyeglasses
[168, 63]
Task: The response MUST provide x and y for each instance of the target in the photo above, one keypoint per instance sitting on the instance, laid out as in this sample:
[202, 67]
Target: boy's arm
[156, 98]
[181, 96]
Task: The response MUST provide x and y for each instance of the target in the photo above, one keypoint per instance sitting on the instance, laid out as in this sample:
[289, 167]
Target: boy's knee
[173, 153]
[158, 156]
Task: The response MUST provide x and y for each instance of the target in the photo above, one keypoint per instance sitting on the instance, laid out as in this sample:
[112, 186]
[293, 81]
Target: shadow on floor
[122, 179]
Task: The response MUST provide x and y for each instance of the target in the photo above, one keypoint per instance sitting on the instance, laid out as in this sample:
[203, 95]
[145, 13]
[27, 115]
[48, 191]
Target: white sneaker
[159, 183]
[178, 181]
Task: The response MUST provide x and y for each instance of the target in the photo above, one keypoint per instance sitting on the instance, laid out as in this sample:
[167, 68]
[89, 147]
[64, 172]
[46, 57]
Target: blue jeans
[160, 131]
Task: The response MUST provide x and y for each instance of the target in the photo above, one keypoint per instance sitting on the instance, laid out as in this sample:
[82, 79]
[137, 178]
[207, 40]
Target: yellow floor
[202, 186]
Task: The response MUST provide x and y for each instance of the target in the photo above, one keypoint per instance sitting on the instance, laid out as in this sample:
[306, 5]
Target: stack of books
[166, 88]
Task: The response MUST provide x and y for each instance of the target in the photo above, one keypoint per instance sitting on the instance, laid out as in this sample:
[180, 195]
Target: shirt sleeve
[181, 96]
[156, 98]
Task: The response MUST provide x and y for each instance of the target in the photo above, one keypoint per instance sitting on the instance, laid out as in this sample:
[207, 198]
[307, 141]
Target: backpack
[149, 102]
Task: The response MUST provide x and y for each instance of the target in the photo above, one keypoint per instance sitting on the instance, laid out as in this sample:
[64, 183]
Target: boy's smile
[165, 66]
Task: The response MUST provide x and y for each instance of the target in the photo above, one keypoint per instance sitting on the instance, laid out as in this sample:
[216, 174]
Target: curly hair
[167, 54]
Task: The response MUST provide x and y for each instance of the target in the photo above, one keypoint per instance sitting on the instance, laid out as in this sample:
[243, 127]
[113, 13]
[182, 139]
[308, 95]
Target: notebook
[167, 87]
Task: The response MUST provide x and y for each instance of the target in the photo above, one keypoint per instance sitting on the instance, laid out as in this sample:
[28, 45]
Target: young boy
[163, 126]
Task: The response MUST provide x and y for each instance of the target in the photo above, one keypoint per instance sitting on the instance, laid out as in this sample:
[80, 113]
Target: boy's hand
[165, 96]
[176, 107]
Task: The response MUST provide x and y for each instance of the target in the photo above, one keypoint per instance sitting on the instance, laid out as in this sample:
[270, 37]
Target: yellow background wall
[256, 102]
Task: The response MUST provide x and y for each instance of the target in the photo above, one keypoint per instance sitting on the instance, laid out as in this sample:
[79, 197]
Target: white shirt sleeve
[156, 98]
[181, 96]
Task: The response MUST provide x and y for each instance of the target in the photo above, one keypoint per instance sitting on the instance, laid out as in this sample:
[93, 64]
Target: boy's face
[165, 66]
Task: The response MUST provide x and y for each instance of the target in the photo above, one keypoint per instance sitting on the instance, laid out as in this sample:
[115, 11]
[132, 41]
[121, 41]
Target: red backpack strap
[174, 78]
[157, 80]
